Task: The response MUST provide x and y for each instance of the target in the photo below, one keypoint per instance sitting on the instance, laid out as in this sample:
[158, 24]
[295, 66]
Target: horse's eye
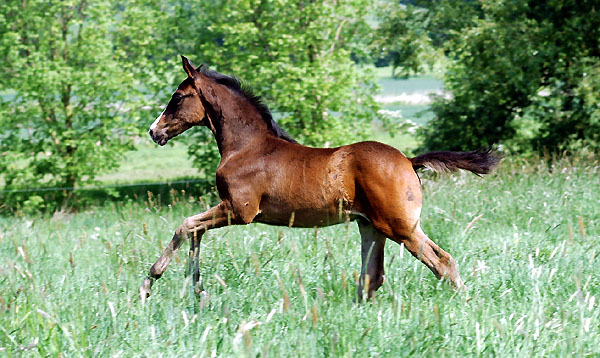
[177, 98]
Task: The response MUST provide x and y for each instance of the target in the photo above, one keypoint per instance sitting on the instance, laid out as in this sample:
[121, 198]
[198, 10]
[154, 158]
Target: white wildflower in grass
[244, 332]
[556, 250]
[586, 323]
[152, 332]
[506, 292]
[185, 318]
[577, 294]
[111, 306]
[478, 337]
[519, 325]
[535, 272]
[552, 272]
[554, 323]
[270, 315]
[481, 267]
[205, 334]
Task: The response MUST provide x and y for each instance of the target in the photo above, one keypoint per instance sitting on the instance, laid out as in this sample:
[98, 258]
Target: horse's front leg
[193, 228]
[194, 260]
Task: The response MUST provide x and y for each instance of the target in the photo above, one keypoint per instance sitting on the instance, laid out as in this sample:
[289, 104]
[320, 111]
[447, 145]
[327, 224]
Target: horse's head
[184, 110]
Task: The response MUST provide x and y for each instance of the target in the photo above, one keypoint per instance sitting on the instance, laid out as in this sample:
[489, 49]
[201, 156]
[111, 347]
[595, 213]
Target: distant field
[149, 162]
[391, 86]
[525, 239]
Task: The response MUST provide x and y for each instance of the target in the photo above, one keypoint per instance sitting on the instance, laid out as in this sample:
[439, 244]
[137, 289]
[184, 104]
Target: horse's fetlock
[154, 275]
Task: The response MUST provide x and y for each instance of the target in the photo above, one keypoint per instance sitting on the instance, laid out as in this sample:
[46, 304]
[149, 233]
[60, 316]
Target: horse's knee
[189, 226]
[182, 229]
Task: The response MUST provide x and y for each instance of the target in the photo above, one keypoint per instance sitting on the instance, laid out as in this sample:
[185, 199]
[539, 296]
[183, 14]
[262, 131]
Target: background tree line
[80, 79]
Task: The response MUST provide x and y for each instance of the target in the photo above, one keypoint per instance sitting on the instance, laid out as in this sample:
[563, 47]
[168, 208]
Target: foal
[265, 176]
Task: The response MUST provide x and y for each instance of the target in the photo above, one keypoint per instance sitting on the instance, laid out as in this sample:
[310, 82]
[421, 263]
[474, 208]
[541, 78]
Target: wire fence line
[106, 186]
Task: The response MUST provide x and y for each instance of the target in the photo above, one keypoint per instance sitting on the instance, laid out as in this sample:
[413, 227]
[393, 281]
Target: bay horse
[265, 176]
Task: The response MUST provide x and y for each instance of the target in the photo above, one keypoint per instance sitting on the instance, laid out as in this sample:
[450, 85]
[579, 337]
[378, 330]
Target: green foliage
[69, 283]
[402, 38]
[524, 75]
[414, 35]
[296, 54]
[74, 68]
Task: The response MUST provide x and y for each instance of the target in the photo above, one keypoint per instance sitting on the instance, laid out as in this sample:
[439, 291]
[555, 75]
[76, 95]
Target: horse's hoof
[144, 294]
[203, 296]
[458, 285]
[145, 290]
[459, 288]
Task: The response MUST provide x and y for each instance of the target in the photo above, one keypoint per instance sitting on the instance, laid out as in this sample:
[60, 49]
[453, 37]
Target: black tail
[480, 161]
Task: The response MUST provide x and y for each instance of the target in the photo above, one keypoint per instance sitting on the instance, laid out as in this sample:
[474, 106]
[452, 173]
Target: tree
[73, 98]
[525, 74]
[402, 38]
[297, 54]
[413, 35]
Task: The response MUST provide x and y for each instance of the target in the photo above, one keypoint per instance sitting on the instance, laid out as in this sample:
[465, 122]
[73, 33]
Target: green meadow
[82, 81]
[525, 238]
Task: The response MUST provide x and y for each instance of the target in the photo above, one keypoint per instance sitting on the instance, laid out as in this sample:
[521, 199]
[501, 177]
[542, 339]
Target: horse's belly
[314, 193]
[299, 216]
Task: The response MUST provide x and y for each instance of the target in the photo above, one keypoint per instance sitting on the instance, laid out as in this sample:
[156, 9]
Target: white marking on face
[156, 121]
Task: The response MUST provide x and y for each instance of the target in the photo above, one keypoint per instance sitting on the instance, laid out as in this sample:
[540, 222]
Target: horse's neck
[238, 126]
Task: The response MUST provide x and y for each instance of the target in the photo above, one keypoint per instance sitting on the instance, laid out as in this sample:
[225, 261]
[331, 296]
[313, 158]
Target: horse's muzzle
[157, 138]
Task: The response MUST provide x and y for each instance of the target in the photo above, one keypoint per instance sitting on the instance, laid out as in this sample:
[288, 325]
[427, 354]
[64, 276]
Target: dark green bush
[526, 76]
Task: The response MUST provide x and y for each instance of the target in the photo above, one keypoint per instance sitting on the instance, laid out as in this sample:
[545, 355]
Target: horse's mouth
[158, 139]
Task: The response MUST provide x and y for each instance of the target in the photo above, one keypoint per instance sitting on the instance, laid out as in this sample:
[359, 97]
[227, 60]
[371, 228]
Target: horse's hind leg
[402, 226]
[372, 251]
[439, 261]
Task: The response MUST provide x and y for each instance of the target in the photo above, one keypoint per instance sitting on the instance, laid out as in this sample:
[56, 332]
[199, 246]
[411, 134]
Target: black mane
[248, 93]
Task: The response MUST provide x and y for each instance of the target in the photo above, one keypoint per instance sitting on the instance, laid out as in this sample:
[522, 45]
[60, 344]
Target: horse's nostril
[151, 132]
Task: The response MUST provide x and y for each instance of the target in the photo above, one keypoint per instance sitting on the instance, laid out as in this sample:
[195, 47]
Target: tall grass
[526, 240]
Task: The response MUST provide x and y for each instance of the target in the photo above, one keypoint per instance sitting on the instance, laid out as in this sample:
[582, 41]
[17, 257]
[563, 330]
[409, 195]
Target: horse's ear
[188, 67]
